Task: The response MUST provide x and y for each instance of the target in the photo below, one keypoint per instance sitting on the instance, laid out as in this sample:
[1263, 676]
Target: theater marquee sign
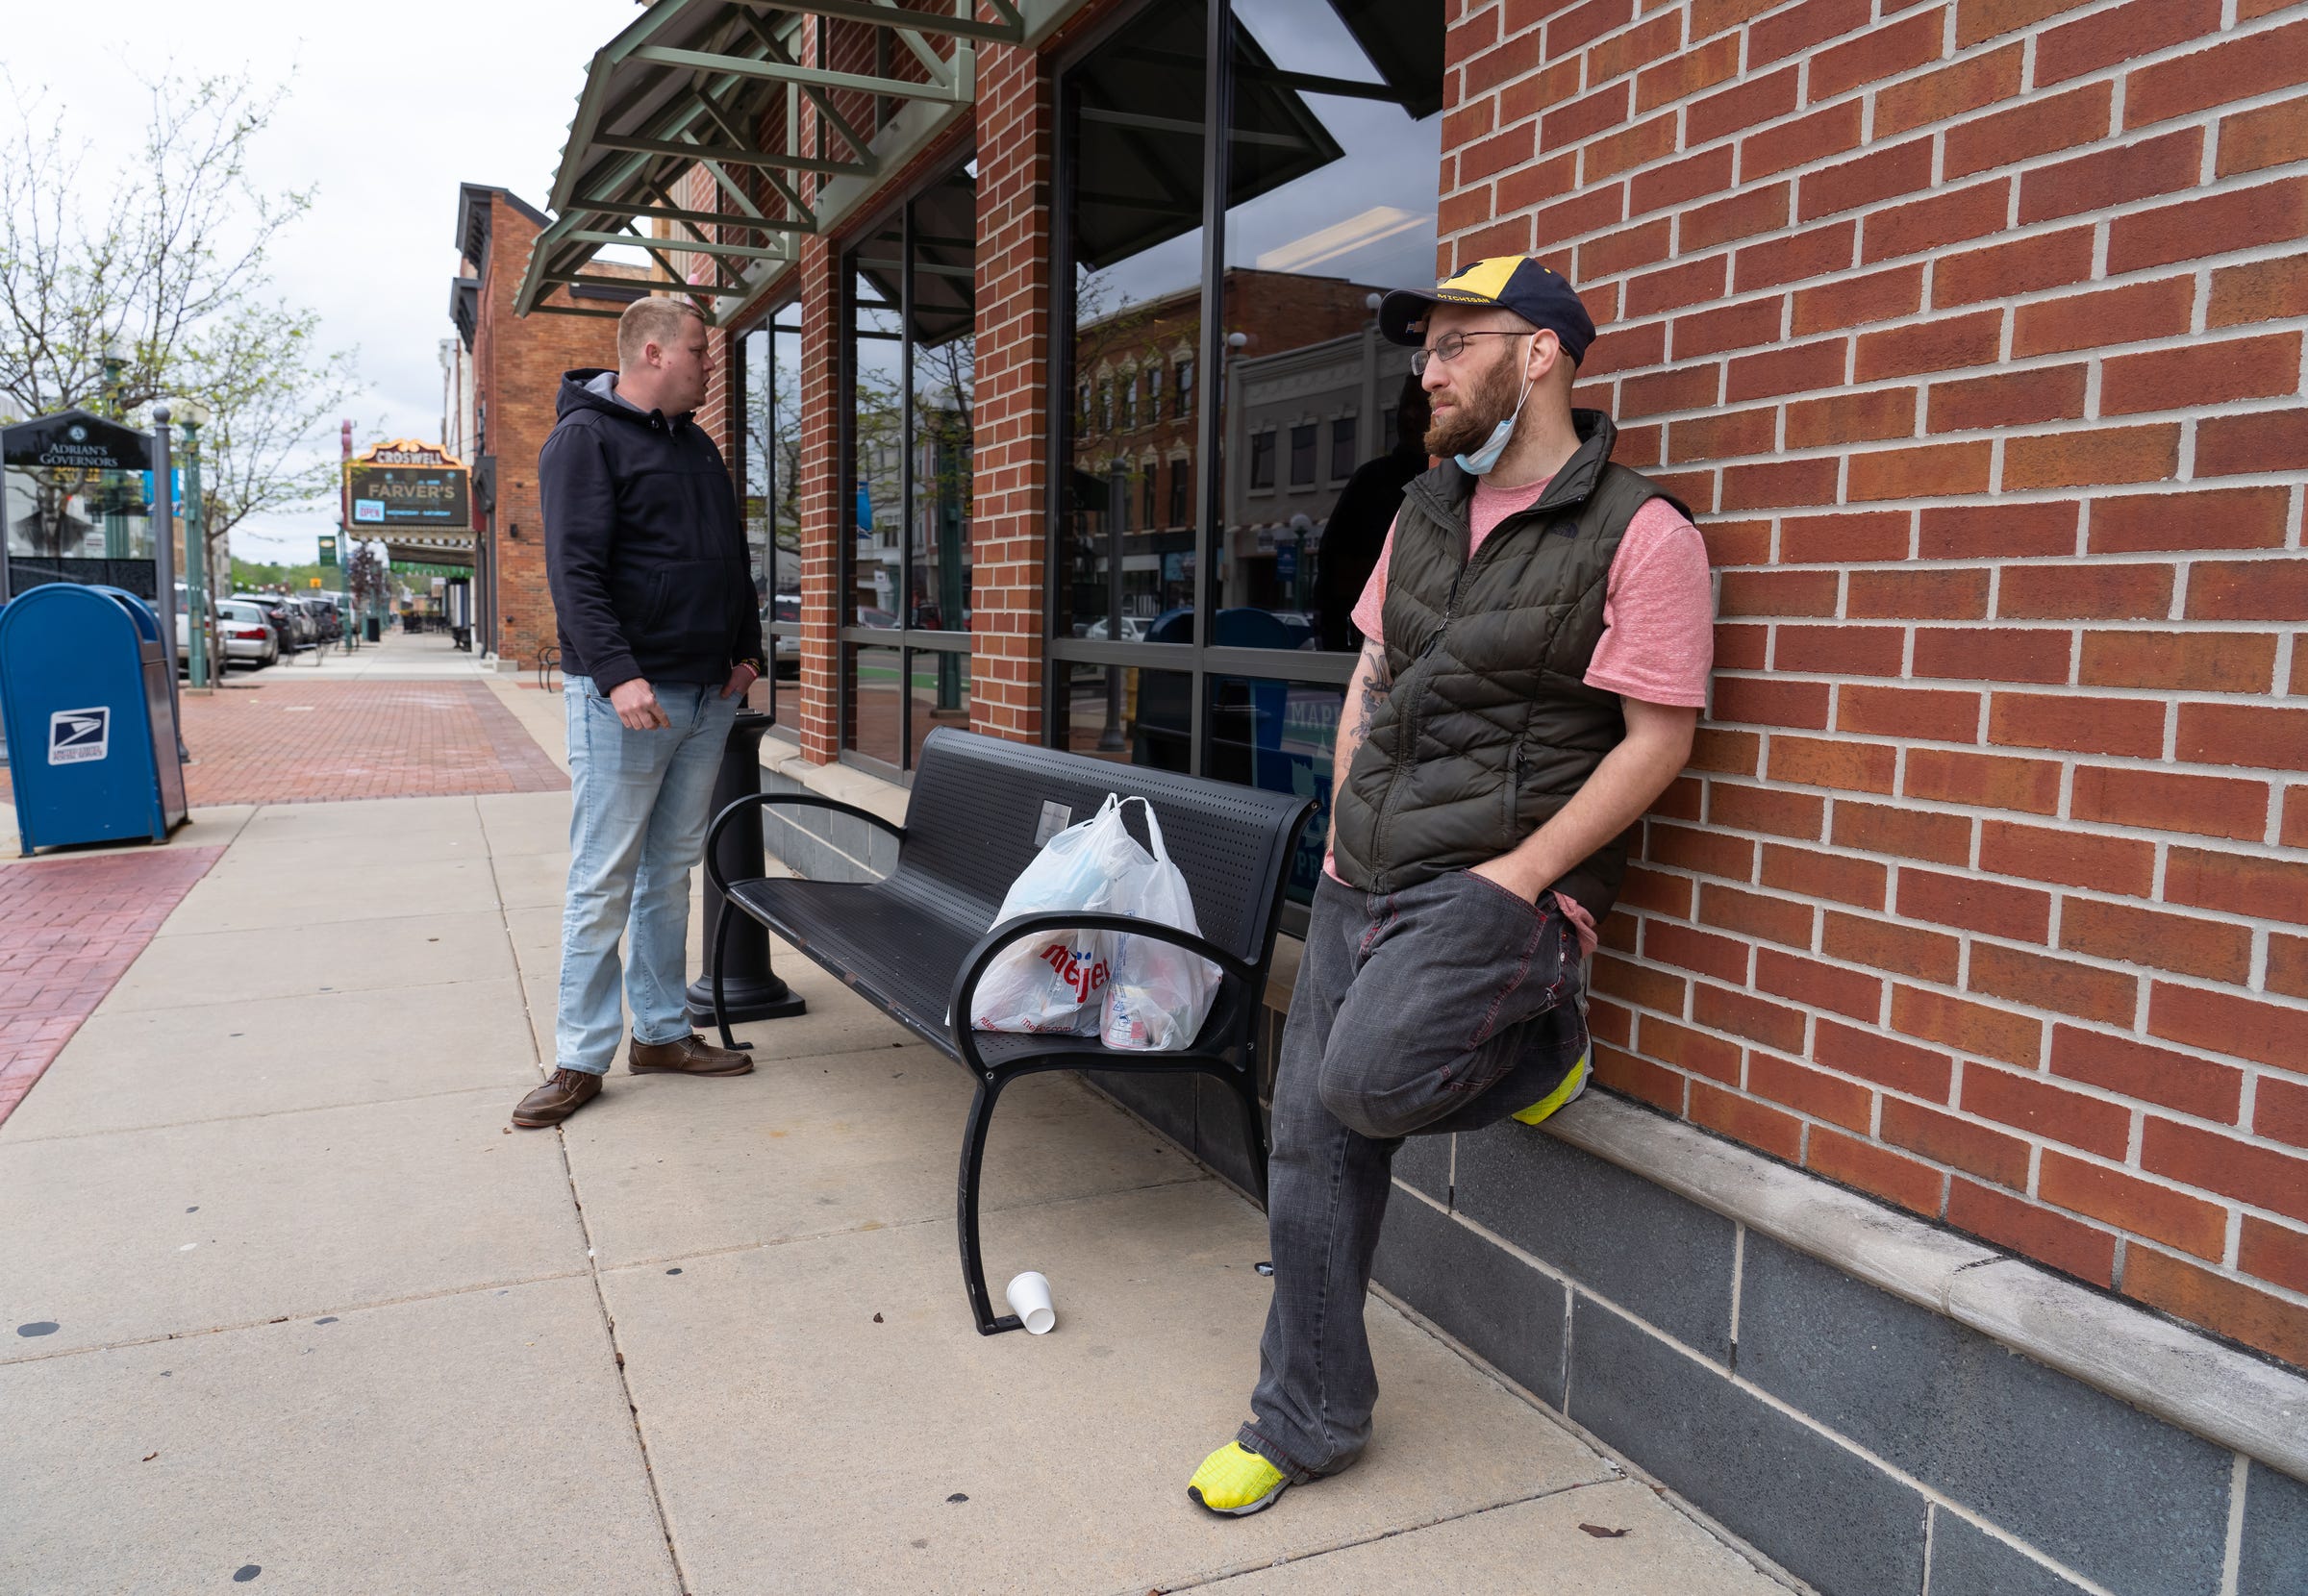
[405, 484]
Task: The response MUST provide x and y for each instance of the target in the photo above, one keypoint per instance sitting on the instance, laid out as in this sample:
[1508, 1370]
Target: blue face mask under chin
[1480, 462]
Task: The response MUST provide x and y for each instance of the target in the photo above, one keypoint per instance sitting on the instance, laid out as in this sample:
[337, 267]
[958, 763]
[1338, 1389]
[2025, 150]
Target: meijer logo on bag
[1077, 968]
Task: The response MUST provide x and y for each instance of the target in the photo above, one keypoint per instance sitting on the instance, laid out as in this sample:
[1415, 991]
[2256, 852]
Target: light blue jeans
[640, 803]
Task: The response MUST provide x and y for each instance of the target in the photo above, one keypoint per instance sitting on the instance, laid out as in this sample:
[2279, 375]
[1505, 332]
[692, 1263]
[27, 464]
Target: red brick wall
[1974, 330]
[517, 363]
[1016, 129]
[823, 516]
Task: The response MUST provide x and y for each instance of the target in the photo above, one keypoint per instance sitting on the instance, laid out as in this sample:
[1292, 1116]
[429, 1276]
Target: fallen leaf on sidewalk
[1601, 1533]
[877, 1318]
[149, 1457]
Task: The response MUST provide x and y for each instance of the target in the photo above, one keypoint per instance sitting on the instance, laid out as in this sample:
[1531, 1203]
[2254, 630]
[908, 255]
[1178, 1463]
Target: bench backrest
[977, 802]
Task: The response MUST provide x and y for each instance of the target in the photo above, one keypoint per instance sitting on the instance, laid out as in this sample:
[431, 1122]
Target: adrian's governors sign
[406, 483]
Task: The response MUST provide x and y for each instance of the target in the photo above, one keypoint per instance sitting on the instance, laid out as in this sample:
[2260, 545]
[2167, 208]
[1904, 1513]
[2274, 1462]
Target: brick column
[823, 516]
[1017, 127]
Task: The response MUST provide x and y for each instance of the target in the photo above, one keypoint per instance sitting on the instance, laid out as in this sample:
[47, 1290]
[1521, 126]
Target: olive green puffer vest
[1489, 726]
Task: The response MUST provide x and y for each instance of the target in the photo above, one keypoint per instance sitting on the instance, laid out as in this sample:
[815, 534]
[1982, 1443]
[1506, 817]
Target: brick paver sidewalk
[70, 927]
[286, 741]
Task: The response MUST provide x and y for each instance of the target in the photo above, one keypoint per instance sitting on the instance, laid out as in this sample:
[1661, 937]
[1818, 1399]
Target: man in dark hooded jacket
[660, 638]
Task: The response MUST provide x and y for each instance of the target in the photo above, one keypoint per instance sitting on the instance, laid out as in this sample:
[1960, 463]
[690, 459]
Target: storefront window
[1133, 118]
[765, 394]
[876, 725]
[912, 379]
[939, 687]
[1326, 193]
[1323, 220]
[1279, 736]
[877, 375]
[943, 342]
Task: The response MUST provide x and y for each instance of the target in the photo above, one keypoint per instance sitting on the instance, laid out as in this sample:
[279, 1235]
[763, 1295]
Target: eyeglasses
[1449, 347]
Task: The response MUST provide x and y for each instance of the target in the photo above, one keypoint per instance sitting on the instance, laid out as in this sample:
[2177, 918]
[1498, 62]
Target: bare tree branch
[178, 238]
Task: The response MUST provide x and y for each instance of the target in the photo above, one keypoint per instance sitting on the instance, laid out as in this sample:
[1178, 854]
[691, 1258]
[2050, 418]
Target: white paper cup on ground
[1029, 1297]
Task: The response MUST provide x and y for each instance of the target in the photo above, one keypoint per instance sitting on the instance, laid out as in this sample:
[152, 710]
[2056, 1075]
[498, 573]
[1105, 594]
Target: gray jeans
[1443, 1008]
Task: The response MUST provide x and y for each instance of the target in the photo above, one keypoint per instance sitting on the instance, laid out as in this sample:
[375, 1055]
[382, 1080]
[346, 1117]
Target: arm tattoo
[1374, 684]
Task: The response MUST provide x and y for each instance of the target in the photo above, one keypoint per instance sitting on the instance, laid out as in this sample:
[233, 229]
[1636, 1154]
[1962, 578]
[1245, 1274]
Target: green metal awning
[718, 86]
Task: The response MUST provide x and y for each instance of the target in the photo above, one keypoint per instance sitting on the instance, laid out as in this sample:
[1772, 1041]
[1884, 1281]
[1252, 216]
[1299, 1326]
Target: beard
[1466, 426]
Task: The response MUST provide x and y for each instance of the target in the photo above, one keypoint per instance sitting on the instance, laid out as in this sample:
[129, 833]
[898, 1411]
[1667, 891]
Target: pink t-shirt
[1658, 641]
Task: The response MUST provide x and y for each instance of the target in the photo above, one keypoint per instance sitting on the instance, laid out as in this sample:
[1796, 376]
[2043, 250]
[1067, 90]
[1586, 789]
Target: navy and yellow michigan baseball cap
[1517, 283]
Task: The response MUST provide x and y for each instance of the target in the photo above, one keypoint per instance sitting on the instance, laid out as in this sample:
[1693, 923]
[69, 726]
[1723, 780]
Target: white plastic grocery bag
[1159, 994]
[1056, 982]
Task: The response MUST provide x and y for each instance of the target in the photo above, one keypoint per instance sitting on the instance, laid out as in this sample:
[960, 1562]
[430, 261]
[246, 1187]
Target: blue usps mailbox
[92, 739]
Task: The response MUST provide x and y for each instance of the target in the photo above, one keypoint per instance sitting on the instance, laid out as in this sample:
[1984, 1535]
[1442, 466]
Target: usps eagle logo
[78, 735]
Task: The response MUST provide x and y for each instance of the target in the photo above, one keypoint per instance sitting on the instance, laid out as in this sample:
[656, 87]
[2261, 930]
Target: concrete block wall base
[1865, 1442]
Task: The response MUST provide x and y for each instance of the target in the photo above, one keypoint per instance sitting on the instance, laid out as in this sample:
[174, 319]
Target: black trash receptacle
[748, 987]
[373, 630]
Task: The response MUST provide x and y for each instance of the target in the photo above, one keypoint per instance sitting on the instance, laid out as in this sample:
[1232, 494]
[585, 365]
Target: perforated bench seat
[914, 945]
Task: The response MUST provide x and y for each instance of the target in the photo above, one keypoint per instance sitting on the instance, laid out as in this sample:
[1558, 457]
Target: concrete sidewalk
[284, 1301]
[396, 657]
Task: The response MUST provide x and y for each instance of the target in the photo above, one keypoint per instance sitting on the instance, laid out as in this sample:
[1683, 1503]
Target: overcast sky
[389, 109]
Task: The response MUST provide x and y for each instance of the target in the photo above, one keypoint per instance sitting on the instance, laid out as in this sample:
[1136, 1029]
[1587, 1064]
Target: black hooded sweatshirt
[643, 546]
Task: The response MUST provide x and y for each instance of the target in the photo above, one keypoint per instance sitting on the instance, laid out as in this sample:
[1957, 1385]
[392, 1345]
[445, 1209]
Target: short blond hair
[657, 319]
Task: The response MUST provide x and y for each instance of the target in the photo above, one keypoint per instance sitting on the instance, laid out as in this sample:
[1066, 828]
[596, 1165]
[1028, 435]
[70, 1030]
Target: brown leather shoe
[563, 1093]
[692, 1055]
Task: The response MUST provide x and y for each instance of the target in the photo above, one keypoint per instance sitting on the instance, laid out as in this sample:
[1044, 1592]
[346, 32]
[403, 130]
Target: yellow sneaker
[1235, 1482]
[1572, 1085]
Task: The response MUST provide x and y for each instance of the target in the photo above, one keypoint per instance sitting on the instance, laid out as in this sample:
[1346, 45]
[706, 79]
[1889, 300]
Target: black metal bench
[916, 943]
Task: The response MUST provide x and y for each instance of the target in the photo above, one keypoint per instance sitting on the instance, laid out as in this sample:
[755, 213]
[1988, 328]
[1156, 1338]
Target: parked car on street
[784, 651]
[328, 627]
[248, 638]
[291, 625]
[1134, 630]
[183, 627]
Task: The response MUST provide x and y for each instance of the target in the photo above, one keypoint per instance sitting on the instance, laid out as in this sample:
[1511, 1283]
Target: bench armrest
[973, 965]
[803, 799]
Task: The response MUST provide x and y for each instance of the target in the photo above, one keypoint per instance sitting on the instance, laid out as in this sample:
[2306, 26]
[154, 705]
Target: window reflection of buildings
[1132, 456]
[877, 422]
[1140, 427]
[1301, 397]
[771, 462]
[942, 497]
